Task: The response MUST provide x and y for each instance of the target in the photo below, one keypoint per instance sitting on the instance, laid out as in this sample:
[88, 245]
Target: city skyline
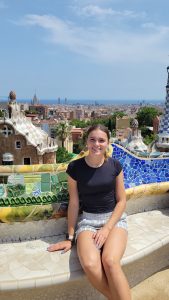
[97, 49]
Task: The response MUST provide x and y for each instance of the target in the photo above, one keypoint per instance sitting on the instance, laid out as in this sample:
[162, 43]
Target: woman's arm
[73, 210]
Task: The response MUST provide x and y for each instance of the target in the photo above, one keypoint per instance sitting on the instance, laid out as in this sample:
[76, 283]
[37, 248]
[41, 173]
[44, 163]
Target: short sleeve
[71, 170]
[118, 167]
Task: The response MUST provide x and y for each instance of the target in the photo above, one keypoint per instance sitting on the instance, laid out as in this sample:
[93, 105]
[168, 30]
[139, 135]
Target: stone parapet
[28, 271]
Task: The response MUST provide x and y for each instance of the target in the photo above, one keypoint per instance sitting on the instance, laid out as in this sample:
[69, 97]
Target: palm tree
[62, 131]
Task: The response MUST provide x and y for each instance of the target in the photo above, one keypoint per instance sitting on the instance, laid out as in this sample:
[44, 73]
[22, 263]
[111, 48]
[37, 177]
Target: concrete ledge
[26, 267]
[33, 230]
[147, 197]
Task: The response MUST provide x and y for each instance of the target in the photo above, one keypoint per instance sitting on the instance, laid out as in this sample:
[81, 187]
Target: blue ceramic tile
[139, 171]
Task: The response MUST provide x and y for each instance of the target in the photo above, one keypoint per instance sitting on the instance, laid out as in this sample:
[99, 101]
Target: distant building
[41, 110]
[35, 100]
[77, 134]
[122, 123]
[68, 143]
[49, 127]
[122, 128]
[78, 113]
[46, 125]
[21, 142]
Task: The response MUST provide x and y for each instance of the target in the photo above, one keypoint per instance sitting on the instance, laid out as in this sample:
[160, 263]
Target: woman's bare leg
[90, 259]
[113, 250]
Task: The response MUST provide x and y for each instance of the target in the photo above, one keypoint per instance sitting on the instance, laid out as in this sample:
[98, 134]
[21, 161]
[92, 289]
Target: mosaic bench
[28, 271]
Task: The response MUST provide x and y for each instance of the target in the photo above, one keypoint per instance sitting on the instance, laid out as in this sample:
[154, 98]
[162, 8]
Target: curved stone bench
[28, 271]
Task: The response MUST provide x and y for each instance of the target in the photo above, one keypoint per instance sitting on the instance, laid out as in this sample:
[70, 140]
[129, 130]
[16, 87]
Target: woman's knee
[89, 264]
[110, 262]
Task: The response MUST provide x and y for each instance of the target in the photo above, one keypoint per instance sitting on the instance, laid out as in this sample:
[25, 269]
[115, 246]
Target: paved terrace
[28, 271]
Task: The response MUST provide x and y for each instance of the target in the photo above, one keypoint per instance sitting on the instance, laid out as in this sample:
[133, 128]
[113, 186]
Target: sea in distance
[91, 101]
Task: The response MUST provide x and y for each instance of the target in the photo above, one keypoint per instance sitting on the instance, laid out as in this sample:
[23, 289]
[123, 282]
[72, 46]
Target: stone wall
[8, 145]
[49, 158]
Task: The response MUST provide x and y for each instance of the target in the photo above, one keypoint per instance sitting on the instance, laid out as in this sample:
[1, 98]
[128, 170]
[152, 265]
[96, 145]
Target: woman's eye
[101, 141]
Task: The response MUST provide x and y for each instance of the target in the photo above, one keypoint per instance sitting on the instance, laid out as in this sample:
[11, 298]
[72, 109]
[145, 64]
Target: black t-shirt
[96, 186]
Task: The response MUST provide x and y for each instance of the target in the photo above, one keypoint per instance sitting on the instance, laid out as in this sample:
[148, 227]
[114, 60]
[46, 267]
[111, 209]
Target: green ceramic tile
[45, 187]
[62, 176]
[45, 177]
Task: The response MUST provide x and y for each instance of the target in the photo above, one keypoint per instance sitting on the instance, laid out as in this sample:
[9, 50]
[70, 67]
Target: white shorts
[93, 222]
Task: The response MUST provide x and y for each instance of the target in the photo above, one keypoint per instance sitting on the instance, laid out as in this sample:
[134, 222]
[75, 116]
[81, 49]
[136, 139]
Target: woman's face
[97, 142]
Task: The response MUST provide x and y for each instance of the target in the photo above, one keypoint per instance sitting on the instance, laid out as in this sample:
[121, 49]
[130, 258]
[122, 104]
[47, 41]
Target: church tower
[35, 100]
[163, 134]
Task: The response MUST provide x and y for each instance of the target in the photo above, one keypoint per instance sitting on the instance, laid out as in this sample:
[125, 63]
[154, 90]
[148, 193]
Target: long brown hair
[100, 127]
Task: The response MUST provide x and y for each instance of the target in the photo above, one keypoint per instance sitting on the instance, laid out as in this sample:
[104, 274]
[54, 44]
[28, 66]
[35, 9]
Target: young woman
[96, 181]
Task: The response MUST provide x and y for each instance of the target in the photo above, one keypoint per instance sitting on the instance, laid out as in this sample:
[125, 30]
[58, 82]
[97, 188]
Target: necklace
[93, 165]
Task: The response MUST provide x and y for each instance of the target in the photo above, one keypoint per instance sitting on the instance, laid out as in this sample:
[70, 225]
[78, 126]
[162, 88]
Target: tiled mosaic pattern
[35, 185]
[140, 171]
[164, 124]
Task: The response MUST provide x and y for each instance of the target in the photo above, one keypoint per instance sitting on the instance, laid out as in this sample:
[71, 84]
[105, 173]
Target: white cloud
[106, 46]
[97, 11]
[156, 28]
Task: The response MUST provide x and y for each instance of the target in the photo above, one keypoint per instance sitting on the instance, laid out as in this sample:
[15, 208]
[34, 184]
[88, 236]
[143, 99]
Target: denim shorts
[93, 222]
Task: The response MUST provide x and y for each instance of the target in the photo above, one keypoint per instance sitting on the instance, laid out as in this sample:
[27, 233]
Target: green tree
[1, 113]
[62, 131]
[113, 133]
[80, 144]
[145, 115]
[78, 123]
[145, 132]
[148, 135]
[110, 125]
[109, 122]
[149, 139]
[62, 155]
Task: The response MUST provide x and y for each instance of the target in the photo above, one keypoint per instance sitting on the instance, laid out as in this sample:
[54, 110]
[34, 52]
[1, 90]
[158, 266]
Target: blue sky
[80, 49]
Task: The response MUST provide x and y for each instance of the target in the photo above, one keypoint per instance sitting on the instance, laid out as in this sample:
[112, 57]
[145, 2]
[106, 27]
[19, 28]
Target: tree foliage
[80, 144]
[62, 155]
[62, 131]
[117, 114]
[148, 135]
[145, 115]
[109, 122]
[78, 123]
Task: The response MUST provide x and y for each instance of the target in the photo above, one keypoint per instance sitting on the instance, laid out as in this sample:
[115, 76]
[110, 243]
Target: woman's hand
[65, 246]
[100, 236]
